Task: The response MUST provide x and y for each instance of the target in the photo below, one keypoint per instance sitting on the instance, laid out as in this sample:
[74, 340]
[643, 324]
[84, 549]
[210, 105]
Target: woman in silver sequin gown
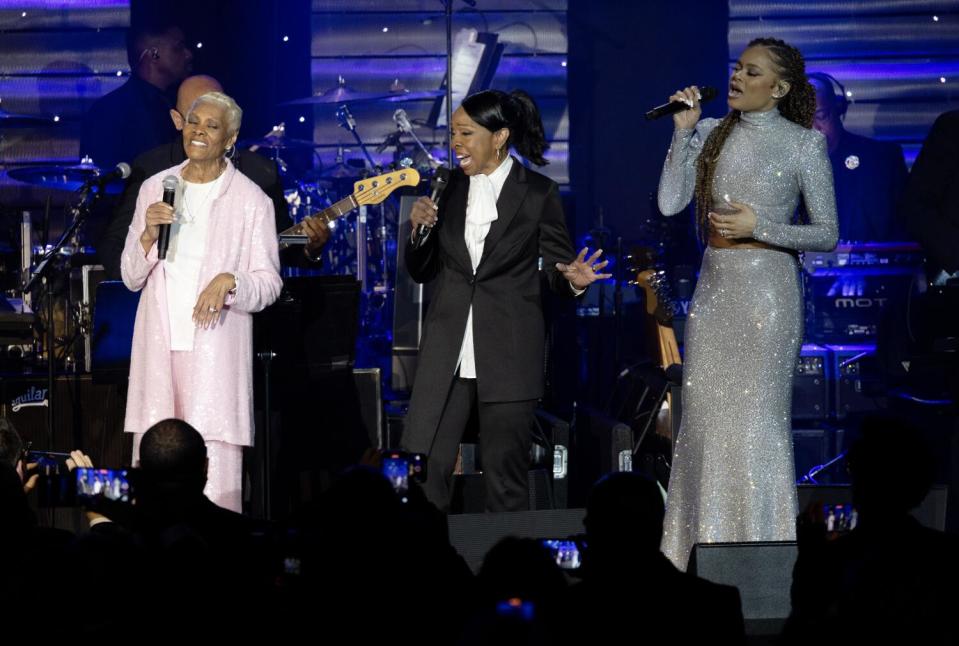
[732, 474]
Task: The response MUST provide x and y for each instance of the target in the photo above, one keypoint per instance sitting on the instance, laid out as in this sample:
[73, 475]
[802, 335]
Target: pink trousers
[224, 479]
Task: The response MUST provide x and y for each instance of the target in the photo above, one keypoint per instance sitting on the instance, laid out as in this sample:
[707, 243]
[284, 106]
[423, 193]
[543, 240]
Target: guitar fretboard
[328, 214]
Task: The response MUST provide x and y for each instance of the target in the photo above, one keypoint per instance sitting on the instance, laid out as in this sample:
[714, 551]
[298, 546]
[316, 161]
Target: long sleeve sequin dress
[732, 476]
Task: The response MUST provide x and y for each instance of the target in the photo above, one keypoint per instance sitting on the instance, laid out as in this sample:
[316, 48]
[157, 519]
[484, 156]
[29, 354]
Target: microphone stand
[419, 144]
[42, 275]
[348, 121]
[448, 7]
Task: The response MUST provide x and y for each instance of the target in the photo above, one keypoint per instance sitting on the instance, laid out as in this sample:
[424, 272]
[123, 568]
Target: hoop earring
[230, 152]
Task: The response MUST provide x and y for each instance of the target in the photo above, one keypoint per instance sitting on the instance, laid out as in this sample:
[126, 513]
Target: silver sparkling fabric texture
[732, 474]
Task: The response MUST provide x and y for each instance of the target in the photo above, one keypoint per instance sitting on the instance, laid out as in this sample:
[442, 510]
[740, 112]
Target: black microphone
[170, 182]
[441, 178]
[706, 93]
[122, 171]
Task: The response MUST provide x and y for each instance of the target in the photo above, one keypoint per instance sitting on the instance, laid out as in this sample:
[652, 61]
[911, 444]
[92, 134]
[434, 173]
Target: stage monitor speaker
[762, 571]
[407, 308]
[474, 534]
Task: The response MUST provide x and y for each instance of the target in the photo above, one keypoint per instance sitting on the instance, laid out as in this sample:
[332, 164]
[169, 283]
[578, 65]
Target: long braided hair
[798, 106]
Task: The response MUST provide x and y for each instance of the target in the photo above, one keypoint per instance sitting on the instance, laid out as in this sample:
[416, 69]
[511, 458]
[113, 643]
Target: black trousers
[505, 435]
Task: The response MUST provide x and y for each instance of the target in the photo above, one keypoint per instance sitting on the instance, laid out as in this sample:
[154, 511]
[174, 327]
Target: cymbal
[407, 95]
[11, 119]
[340, 171]
[338, 96]
[64, 178]
[278, 142]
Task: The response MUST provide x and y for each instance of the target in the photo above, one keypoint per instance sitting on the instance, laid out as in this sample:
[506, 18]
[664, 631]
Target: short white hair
[234, 114]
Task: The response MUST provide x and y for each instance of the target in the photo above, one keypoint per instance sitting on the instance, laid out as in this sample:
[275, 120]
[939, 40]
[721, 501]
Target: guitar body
[661, 336]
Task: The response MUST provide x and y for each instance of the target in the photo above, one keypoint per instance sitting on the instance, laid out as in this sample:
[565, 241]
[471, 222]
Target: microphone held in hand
[441, 178]
[707, 94]
[170, 183]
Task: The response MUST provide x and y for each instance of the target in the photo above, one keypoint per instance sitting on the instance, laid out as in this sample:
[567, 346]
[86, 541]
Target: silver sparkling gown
[733, 477]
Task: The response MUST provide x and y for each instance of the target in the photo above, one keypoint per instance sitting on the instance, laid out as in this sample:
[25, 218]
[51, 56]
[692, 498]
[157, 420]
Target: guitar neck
[339, 209]
[668, 348]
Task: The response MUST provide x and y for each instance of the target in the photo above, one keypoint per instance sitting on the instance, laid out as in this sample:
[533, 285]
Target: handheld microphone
[170, 183]
[707, 93]
[441, 178]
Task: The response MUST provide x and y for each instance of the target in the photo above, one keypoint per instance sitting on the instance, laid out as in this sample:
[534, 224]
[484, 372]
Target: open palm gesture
[581, 273]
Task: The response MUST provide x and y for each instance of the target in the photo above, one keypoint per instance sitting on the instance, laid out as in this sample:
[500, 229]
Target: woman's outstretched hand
[581, 273]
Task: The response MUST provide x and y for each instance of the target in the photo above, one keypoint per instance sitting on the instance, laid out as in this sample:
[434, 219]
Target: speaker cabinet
[762, 571]
[87, 416]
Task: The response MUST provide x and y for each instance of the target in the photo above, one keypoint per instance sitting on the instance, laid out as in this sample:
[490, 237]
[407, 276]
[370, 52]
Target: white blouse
[480, 214]
[185, 257]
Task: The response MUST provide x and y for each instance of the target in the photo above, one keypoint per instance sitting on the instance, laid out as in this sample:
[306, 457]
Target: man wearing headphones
[869, 175]
[135, 117]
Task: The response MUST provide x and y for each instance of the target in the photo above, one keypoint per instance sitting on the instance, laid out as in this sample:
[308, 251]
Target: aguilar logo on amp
[33, 397]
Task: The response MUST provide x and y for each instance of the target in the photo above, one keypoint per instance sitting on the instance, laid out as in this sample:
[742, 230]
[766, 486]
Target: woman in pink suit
[192, 341]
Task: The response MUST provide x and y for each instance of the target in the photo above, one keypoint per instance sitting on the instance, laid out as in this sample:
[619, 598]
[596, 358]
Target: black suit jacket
[508, 327]
[260, 170]
[931, 200]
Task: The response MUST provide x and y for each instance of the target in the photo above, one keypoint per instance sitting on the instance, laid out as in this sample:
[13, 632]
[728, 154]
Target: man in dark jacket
[869, 175]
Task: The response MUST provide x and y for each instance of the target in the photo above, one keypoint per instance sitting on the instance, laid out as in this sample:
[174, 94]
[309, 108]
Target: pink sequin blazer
[241, 240]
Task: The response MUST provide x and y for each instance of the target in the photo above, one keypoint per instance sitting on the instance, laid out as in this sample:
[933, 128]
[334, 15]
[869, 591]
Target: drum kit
[363, 245]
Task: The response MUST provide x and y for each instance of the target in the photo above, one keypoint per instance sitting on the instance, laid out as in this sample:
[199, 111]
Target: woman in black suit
[482, 347]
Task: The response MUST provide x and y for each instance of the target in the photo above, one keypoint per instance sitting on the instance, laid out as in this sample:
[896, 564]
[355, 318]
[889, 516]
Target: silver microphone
[403, 121]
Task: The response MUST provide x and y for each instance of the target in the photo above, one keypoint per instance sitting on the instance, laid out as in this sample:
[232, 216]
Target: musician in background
[259, 169]
[483, 342]
[869, 175]
[133, 118]
[192, 341]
